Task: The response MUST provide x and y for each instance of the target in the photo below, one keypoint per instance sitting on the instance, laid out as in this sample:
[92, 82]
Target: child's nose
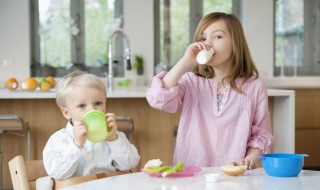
[91, 107]
[209, 44]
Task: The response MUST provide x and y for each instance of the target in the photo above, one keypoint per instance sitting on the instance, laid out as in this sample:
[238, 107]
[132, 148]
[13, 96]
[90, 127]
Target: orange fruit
[51, 80]
[30, 84]
[12, 84]
[45, 86]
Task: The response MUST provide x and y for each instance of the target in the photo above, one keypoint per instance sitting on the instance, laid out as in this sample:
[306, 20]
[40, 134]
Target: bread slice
[233, 170]
[152, 164]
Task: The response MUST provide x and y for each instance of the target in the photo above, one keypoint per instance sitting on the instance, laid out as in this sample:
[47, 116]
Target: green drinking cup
[96, 125]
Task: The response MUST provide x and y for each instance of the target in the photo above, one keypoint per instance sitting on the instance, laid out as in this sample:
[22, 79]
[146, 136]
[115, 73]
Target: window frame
[307, 69]
[77, 43]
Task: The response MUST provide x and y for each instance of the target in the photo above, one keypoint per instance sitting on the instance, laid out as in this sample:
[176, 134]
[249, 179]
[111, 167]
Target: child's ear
[65, 113]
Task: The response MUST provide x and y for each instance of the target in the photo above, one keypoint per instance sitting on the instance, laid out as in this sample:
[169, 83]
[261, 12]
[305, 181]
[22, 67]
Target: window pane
[174, 30]
[175, 26]
[98, 13]
[54, 33]
[75, 31]
[289, 37]
[217, 6]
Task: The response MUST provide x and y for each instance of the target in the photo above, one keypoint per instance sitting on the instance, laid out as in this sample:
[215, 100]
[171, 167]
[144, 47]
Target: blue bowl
[283, 164]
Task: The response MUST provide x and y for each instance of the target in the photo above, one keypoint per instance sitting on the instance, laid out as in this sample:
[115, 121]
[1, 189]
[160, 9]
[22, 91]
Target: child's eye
[202, 39]
[218, 37]
[98, 103]
[82, 106]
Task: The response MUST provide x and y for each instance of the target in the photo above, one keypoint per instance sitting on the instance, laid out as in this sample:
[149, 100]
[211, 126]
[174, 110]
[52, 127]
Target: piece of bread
[151, 164]
[233, 170]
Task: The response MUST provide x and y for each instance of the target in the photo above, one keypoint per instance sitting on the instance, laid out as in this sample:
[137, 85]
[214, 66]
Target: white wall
[14, 39]
[138, 24]
[258, 27]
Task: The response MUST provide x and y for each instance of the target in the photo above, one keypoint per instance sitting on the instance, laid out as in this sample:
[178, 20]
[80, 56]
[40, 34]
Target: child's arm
[61, 155]
[79, 132]
[124, 154]
[164, 93]
[184, 64]
[260, 138]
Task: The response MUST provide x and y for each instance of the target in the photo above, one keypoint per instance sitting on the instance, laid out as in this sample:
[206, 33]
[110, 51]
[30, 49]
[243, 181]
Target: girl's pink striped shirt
[205, 139]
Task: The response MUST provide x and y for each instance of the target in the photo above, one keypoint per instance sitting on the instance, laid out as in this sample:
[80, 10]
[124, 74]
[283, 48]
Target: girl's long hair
[243, 65]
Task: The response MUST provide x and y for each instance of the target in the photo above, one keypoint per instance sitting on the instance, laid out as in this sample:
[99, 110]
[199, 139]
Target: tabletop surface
[252, 179]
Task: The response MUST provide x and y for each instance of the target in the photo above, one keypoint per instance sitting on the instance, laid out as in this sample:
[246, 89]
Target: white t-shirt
[63, 159]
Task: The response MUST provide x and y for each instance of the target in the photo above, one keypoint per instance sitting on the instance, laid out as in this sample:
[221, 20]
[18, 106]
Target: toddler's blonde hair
[80, 79]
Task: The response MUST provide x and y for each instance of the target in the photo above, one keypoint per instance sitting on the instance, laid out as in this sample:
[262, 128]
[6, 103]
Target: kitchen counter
[130, 92]
[283, 109]
[293, 82]
[39, 109]
[252, 179]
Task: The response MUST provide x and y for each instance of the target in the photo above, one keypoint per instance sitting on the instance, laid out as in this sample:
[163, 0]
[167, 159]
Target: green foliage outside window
[179, 26]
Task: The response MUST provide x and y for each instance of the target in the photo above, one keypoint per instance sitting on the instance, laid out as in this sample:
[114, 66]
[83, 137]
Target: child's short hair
[77, 78]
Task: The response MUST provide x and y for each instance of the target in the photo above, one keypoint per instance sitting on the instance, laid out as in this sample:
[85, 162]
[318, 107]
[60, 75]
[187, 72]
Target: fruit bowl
[283, 164]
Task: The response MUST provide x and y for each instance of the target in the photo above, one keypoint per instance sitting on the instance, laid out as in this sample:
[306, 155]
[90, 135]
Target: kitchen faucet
[127, 57]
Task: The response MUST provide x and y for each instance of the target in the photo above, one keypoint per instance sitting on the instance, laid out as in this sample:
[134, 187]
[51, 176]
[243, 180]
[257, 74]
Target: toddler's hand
[111, 120]
[79, 133]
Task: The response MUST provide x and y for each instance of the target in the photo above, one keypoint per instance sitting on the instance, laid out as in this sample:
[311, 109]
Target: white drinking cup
[204, 56]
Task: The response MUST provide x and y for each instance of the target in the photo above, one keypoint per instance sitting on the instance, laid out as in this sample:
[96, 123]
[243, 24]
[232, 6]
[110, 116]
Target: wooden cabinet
[308, 126]
[153, 134]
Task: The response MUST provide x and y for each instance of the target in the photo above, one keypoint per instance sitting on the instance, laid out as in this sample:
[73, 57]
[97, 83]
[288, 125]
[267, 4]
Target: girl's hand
[184, 64]
[193, 50]
[79, 133]
[246, 162]
[251, 160]
[111, 120]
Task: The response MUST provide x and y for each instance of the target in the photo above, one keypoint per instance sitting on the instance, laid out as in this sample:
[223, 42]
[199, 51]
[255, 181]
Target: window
[69, 34]
[175, 24]
[297, 29]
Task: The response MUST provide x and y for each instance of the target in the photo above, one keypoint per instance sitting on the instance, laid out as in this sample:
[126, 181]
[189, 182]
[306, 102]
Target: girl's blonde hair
[76, 78]
[243, 65]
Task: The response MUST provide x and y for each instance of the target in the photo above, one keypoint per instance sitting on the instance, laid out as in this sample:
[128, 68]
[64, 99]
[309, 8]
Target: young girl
[224, 105]
[68, 153]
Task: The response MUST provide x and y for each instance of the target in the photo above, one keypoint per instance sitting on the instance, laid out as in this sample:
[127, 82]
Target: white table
[251, 180]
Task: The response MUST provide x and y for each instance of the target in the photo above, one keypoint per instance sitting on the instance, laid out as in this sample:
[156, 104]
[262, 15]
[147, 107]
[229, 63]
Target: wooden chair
[125, 124]
[13, 125]
[24, 175]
